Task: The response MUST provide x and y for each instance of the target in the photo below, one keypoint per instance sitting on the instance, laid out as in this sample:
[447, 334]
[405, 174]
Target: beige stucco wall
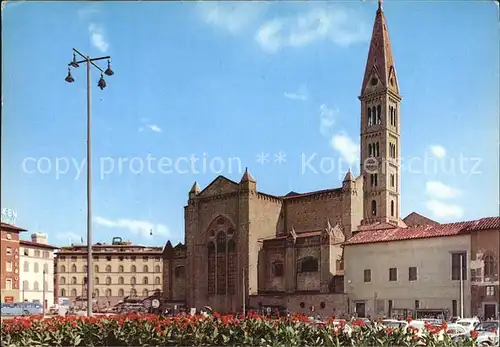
[433, 287]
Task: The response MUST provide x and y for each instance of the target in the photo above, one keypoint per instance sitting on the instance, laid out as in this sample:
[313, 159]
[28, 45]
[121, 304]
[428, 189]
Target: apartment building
[9, 262]
[37, 270]
[120, 270]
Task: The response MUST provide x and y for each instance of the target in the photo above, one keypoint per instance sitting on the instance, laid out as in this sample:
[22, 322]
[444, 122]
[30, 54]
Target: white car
[468, 323]
[488, 333]
[393, 323]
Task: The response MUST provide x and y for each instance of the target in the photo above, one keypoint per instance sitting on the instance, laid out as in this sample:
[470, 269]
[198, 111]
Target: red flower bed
[217, 330]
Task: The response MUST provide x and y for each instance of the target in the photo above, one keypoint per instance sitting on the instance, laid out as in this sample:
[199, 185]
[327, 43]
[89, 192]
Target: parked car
[488, 333]
[393, 323]
[468, 323]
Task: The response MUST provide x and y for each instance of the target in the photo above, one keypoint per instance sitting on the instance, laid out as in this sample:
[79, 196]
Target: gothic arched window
[108, 268]
[73, 292]
[379, 114]
[211, 268]
[392, 208]
[121, 268]
[369, 111]
[108, 292]
[120, 280]
[309, 264]
[96, 268]
[133, 268]
[374, 208]
[231, 266]
[489, 266]
[278, 269]
[179, 272]
[121, 292]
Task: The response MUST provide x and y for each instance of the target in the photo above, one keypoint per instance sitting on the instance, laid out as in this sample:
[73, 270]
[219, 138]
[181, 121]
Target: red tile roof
[421, 232]
[11, 227]
[485, 224]
[36, 244]
[415, 219]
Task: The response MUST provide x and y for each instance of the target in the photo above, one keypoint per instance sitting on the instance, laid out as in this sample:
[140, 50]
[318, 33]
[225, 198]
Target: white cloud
[231, 16]
[300, 94]
[438, 151]
[438, 190]
[327, 119]
[70, 237]
[442, 210]
[337, 25]
[97, 37]
[155, 128]
[348, 148]
[139, 227]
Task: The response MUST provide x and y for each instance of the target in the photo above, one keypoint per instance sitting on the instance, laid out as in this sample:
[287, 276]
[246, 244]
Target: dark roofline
[36, 244]
[11, 227]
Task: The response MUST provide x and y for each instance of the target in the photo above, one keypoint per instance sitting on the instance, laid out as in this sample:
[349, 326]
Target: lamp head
[108, 71]
[102, 83]
[69, 78]
[74, 63]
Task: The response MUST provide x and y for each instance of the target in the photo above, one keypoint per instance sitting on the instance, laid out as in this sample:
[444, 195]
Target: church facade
[246, 247]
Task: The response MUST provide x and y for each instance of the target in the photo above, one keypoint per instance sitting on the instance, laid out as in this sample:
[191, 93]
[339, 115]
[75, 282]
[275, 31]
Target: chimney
[39, 238]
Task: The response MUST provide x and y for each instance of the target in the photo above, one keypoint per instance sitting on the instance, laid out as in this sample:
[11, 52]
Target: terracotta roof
[414, 219]
[421, 232]
[11, 227]
[36, 244]
[485, 224]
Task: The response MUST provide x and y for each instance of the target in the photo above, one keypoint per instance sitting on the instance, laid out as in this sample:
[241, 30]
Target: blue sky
[225, 81]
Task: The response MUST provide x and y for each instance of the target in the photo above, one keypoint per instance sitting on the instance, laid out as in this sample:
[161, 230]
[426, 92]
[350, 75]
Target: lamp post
[101, 84]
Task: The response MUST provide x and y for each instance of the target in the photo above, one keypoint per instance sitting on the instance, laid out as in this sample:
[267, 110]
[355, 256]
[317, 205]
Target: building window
[46, 268]
[277, 269]
[46, 254]
[377, 151]
[73, 280]
[309, 264]
[108, 280]
[121, 268]
[26, 266]
[8, 251]
[379, 114]
[490, 291]
[62, 269]
[36, 287]
[145, 280]
[8, 284]
[489, 266]
[73, 268]
[211, 268]
[393, 180]
[374, 180]
[96, 280]
[96, 268]
[179, 271]
[121, 292]
[374, 208]
[26, 285]
[26, 251]
[73, 292]
[133, 269]
[37, 253]
[232, 261]
[145, 268]
[157, 280]
[157, 268]
[412, 273]
[392, 208]
[121, 280]
[417, 304]
[454, 308]
[108, 268]
[456, 265]
[63, 280]
[132, 280]
[8, 266]
[369, 112]
[393, 274]
[367, 275]
[63, 292]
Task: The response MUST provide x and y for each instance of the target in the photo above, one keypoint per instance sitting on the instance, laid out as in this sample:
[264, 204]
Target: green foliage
[253, 330]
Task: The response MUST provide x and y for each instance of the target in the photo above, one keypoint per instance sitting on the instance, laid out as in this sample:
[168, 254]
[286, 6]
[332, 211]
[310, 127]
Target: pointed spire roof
[247, 177]
[195, 188]
[348, 176]
[380, 60]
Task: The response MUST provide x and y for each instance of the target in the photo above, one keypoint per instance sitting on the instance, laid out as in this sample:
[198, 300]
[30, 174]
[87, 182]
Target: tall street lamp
[101, 84]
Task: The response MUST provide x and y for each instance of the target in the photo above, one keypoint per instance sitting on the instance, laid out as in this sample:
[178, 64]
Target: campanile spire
[380, 129]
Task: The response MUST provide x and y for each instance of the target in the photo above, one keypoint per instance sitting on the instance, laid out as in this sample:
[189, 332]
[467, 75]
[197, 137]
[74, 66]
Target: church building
[246, 247]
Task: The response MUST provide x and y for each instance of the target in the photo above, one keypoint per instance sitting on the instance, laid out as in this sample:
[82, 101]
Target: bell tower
[380, 126]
